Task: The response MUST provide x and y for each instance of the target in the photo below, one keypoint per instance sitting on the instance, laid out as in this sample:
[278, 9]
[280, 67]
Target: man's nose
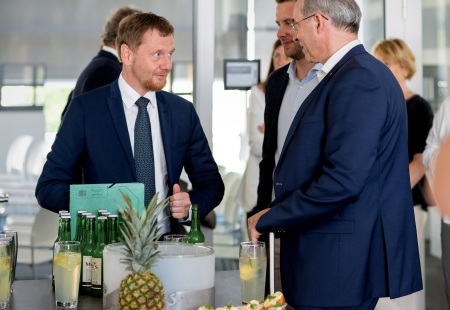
[167, 63]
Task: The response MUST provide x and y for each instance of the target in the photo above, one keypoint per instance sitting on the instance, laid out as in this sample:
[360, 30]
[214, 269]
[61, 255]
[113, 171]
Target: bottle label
[87, 269]
[96, 271]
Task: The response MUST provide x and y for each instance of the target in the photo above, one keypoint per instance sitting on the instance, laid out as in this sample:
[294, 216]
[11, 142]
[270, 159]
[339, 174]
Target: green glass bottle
[112, 237]
[97, 259]
[65, 228]
[195, 234]
[58, 238]
[79, 229]
[86, 253]
[99, 212]
[105, 214]
[119, 221]
[83, 229]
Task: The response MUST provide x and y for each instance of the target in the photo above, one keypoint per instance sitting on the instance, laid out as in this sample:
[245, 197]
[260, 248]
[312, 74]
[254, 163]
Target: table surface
[38, 294]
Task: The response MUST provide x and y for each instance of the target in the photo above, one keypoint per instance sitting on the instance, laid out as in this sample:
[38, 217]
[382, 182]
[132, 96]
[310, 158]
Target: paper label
[96, 271]
[96, 192]
[87, 269]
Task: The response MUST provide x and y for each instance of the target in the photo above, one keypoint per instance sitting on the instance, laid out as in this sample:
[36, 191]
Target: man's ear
[320, 23]
[126, 54]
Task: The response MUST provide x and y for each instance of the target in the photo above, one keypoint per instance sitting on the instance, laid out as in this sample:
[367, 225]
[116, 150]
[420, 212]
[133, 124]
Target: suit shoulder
[277, 74]
[94, 96]
[175, 100]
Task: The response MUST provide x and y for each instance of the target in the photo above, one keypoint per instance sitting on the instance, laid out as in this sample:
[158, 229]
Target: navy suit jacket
[94, 134]
[342, 191]
[103, 69]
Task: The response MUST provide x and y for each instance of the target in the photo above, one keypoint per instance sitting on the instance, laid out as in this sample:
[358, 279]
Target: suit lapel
[301, 112]
[164, 121]
[115, 106]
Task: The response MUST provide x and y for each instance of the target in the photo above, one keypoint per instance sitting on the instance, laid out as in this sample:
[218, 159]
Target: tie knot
[142, 102]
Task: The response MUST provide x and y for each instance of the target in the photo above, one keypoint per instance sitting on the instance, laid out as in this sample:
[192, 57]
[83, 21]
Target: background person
[104, 68]
[247, 194]
[342, 187]
[438, 134]
[131, 131]
[396, 55]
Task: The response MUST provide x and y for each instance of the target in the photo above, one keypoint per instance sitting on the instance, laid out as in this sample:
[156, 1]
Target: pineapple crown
[140, 234]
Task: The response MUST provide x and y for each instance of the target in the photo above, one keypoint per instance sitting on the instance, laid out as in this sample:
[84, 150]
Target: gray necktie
[143, 150]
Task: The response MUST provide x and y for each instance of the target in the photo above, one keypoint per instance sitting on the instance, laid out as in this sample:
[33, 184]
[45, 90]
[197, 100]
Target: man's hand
[262, 128]
[252, 232]
[179, 203]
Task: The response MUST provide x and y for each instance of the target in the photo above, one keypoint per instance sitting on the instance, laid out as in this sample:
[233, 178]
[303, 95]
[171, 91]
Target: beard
[152, 86]
[148, 84]
[296, 53]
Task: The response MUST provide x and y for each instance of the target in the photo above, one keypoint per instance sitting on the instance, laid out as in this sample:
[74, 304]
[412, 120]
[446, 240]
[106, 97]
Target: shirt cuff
[188, 219]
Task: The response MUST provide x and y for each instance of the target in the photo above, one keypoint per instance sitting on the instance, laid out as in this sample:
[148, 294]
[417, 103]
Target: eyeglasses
[295, 25]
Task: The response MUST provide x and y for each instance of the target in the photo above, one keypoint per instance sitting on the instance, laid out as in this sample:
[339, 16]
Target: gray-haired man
[342, 189]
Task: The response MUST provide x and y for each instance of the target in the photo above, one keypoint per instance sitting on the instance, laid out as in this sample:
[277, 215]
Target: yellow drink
[5, 278]
[67, 268]
[253, 277]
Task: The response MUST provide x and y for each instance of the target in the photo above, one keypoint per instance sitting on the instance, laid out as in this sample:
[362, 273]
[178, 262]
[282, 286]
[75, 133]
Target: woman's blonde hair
[397, 51]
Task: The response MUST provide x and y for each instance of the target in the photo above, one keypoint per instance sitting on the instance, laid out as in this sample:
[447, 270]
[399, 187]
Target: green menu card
[94, 197]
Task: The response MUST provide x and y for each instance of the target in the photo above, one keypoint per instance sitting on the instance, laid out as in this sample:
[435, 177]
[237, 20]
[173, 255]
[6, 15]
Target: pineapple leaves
[140, 233]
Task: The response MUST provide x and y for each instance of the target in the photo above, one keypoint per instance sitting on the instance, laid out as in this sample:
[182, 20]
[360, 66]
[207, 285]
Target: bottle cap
[81, 211]
[90, 216]
[102, 218]
[63, 211]
[112, 215]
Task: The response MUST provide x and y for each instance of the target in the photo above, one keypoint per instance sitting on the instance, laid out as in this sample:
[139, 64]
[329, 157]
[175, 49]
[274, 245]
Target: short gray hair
[344, 14]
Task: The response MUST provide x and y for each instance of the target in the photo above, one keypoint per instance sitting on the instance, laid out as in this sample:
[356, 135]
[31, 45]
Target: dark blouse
[420, 120]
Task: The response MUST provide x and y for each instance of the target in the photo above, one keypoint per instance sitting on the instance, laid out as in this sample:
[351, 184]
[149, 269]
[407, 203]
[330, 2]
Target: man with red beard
[286, 90]
[131, 131]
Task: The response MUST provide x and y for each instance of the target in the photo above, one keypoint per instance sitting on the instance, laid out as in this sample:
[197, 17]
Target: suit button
[279, 184]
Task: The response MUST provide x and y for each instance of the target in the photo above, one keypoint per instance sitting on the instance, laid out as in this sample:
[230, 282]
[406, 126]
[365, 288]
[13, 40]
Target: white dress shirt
[129, 98]
[333, 60]
[110, 50]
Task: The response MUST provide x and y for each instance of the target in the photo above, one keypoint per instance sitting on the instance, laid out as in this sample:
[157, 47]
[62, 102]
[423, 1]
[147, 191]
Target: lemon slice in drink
[72, 262]
[62, 260]
[246, 272]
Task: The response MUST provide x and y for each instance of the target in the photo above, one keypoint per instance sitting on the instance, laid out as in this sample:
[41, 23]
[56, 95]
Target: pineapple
[141, 289]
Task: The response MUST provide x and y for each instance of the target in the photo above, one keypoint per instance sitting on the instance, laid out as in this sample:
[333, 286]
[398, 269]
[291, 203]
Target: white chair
[35, 163]
[228, 180]
[15, 159]
[37, 248]
[227, 233]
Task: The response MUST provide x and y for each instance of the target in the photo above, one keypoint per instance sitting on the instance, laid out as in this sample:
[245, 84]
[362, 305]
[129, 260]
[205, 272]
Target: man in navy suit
[104, 68]
[131, 131]
[342, 191]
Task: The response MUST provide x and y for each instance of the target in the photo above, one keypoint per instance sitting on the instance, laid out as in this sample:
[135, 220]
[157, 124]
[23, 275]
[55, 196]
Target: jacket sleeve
[207, 184]
[53, 187]
[356, 116]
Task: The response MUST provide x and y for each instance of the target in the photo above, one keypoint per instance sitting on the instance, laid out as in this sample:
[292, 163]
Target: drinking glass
[5, 271]
[13, 233]
[252, 270]
[176, 238]
[67, 269]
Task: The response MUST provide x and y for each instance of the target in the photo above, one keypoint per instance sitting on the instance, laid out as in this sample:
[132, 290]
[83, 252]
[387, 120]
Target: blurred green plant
[55, 101]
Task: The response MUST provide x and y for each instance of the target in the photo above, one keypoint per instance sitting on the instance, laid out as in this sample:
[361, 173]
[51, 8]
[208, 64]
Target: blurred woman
[247, 194]
[396, 55]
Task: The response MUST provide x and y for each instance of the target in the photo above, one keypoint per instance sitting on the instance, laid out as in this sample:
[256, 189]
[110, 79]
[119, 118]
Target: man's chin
[152, 86]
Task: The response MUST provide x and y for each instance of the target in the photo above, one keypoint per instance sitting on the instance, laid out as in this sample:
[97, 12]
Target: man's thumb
[176, 189]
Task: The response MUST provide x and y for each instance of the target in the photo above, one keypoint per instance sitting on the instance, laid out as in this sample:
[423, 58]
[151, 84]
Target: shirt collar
[110, 50]
[130, 96]
[333, 60]
[293, 68]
